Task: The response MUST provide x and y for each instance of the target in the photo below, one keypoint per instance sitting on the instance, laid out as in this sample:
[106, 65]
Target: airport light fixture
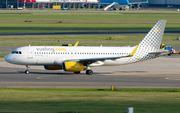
[17, 4]
[6, 4]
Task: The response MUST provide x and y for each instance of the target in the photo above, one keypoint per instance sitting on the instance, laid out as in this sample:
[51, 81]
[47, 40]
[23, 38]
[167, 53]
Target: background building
[160, 2]
[152, 3]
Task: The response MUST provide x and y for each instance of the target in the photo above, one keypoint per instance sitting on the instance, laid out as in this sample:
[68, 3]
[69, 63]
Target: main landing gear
[89, 72]
[27, 71]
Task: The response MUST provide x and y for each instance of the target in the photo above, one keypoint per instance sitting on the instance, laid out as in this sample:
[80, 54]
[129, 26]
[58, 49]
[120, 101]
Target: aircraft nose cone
[7, 58]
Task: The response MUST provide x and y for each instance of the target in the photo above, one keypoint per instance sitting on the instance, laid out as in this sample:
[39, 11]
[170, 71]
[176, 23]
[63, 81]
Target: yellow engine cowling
[73, 66]
[47, 67]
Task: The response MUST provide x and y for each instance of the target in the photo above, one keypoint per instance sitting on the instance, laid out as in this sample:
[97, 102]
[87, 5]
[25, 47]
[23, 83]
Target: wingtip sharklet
[76, 44]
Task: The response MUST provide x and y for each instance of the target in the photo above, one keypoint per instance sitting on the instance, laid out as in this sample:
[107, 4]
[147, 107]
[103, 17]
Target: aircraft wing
[92, 60]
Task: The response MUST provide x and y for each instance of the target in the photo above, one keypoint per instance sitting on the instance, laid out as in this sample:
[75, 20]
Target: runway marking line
[172, 78]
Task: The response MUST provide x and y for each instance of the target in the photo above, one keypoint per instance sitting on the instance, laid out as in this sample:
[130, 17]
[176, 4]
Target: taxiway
[158, 73]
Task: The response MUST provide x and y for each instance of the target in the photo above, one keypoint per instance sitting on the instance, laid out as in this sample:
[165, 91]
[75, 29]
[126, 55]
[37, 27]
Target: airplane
[114, 4]
[79, 58]
[111, 3]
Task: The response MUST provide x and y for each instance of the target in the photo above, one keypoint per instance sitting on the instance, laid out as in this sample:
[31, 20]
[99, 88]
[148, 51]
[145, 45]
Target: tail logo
[156, 30]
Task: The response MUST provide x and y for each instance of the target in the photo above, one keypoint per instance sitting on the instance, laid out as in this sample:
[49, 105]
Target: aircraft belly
[116, 62]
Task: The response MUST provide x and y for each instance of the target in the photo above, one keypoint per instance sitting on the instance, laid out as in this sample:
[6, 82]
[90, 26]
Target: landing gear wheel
[27, 67]
[89, 72]
[78, 72]
[27, 72]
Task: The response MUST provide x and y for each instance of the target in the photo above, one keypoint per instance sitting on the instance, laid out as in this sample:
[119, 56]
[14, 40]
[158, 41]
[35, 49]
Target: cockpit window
[13, 52]
[16, 52]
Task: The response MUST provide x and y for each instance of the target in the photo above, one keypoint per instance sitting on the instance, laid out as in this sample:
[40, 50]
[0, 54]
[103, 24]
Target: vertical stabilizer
[150, 43]
[154, 38]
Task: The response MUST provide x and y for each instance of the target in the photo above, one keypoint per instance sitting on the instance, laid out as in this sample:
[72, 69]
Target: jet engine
[100, 6]
[84, 5]
[73, 66]
[132, 6]
[47, 67]
[140, 5]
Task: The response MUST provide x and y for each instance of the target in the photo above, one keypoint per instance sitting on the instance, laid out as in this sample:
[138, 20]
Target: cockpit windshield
[16, 52]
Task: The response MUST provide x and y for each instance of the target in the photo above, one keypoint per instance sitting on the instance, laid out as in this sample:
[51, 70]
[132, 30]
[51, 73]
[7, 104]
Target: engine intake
[84, 5]
[100, 6]
[132, 6]
[140, 5]
[73, 66]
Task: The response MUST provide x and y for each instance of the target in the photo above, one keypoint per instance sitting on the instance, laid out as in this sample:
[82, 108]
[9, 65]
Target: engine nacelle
[73, 66]
[140, 5]
[132, 6]
[84, 5]
[100, 6]
[47, 67]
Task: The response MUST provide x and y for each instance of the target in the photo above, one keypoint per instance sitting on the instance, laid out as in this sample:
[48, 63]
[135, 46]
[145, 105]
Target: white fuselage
[56, 55]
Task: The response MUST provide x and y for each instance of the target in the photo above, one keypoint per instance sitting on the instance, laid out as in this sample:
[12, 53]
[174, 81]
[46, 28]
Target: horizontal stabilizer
[159, 52]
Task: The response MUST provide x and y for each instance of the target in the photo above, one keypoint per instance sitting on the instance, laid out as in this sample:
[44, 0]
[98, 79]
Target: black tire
[78, 72]
[89, 72]
[170, 54]
[27, 72]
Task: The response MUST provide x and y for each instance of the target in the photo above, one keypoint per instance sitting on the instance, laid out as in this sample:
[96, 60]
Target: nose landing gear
[27, 71]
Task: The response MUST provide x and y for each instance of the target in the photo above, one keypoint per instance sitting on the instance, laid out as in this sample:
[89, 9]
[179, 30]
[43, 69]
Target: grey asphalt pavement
[158, 73]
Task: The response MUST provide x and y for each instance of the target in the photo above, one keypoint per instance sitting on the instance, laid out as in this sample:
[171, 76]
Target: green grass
[90, 16]
[59, 44]
[84, 22]
[3, 55]
[126, 40]
[89, 100]
[87, 38]
[57, 27]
